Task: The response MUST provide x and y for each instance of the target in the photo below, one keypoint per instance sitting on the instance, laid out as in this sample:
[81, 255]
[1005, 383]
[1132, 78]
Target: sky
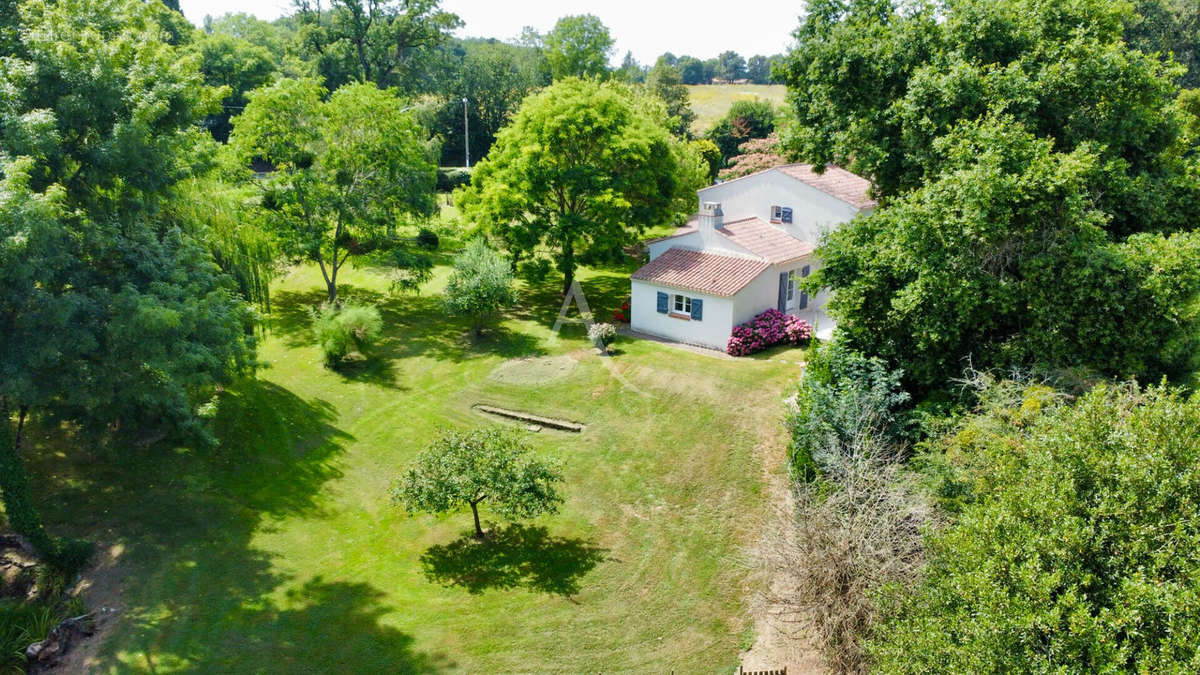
[700, 28]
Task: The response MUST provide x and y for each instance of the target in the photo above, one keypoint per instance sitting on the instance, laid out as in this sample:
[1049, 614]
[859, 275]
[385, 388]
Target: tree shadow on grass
[517, 556]
[413, 325]
[542, 302]
[199, 593]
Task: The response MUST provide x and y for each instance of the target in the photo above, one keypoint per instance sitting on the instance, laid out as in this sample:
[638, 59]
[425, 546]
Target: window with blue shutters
[663, 303]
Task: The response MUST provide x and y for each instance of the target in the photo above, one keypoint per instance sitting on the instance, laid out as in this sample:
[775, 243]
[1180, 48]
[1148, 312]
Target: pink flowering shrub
[768, 329]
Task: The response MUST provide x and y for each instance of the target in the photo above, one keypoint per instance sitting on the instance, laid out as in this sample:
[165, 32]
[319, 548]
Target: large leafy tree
[385, 42]
[578, 46]
[468, 468]
[235, 63]
[874, 83]
[582, 163]
[347, 170]
[1003, 260]
[112, 315]
[494, 77]
[1077, 542]
[665, 82]
[730, 66]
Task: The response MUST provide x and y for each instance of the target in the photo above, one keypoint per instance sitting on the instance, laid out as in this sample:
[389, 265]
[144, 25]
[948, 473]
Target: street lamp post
[466, 133]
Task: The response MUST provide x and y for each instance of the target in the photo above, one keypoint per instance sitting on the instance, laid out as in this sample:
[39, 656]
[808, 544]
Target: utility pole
[466, 133]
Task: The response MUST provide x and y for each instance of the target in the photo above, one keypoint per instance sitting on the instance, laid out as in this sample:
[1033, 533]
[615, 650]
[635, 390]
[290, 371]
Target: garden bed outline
[548, 422]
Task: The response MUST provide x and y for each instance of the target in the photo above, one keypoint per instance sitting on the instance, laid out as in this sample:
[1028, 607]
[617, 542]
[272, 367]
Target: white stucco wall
[711, 331]
[813, 211]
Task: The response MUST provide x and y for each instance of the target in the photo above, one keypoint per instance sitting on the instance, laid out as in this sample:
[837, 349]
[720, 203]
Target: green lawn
[711, 101]
[279, 551]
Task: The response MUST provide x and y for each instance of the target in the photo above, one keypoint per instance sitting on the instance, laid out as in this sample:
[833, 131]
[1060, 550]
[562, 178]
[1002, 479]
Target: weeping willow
[218, 214]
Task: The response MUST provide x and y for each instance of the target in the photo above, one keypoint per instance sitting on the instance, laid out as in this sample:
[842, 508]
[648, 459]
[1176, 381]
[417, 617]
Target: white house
[743, 253]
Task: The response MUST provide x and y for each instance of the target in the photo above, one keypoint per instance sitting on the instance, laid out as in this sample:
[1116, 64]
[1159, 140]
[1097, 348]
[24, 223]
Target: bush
[768, 329]
[851, 536]
[345, 330]
[621, 314]
[845, 402]
[427, 239]
[1078, 543]
[481, 285]
[602, 334]
[452, 178]
[535, 271]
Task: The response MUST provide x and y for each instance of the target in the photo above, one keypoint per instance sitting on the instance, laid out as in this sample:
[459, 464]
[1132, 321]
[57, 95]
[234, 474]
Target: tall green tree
[730, 66]
[385, 42]
[494, 77]
[582, 163]
[1171, 28]
[235, 63]
[1004, 260]
[468, 468]
[875, 83]
[691, 70]
[578, 46]
[111, 315]
[347, 171]
[665, 82]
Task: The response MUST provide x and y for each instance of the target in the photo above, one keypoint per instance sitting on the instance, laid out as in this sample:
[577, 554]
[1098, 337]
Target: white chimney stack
[711, 218]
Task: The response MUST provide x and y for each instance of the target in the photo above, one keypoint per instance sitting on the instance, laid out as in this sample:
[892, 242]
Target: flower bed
[768, 329]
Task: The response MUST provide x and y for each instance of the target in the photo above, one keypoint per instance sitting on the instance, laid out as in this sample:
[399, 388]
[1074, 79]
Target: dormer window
[781, 214]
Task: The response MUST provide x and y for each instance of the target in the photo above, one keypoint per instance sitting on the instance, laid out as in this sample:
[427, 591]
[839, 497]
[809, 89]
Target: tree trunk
[475, 512]
[567, 266]
[14, 485]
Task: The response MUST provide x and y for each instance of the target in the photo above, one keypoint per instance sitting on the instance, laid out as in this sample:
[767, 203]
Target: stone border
[550, 422]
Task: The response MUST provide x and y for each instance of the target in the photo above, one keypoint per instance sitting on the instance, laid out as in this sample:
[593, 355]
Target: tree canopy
[481, 285]
[384, 42]
[578, 46]
[346, 171]
[583, 163]
[112, 314]
[487, 464]
[1018, 212]
[1077, 542]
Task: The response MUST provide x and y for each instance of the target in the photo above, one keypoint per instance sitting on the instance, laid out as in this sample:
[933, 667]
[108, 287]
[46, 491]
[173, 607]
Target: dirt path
[101, 587]
[782, 638]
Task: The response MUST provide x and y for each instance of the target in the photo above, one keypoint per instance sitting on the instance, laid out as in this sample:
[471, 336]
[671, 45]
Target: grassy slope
[279, 551]
[711, 101]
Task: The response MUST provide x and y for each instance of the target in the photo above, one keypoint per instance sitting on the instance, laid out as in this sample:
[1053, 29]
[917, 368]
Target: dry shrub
[853, 534]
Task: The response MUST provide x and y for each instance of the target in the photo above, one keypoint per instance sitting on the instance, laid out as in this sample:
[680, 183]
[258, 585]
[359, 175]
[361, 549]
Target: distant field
[712, 101]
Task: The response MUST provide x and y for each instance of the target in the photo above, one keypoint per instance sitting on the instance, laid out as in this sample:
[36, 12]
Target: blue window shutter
[805, 272]
[663, 302]
[803, 304]
[697, 309]
[783, 279]
[786, 215]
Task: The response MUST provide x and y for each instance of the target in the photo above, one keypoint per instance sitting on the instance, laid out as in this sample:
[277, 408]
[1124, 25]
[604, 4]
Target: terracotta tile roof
[765, 240]
[702, 272]
[835, 181]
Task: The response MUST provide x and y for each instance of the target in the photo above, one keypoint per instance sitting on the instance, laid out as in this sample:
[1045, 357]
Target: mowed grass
[710, 102]
[279, 551]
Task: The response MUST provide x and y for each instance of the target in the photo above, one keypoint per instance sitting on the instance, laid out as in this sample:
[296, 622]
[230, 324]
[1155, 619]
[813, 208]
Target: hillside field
[711, 101]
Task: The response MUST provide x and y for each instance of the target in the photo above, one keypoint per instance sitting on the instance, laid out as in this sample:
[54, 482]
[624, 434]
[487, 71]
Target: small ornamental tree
[481, 285]
[465, 468]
